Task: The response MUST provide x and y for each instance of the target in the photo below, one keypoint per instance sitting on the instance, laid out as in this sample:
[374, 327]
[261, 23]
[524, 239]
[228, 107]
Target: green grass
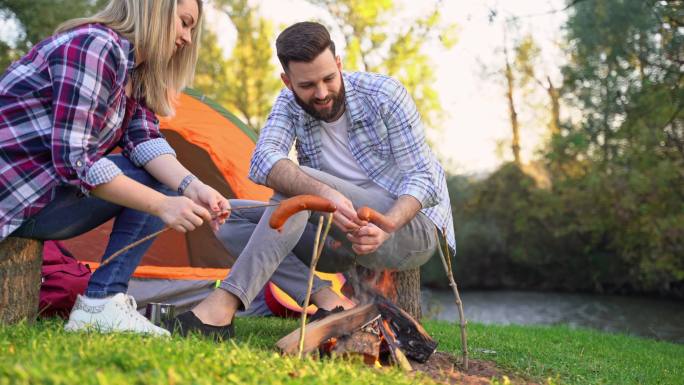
[574, 356]
[43, 354]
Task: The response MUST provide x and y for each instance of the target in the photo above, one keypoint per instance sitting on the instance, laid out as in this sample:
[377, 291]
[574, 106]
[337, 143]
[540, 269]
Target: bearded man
[359, 142]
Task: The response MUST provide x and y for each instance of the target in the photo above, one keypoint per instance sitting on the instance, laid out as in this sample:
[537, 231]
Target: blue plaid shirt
[386, 138]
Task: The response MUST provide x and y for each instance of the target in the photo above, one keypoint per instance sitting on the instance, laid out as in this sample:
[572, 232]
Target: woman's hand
[181, 213]
[206, 196]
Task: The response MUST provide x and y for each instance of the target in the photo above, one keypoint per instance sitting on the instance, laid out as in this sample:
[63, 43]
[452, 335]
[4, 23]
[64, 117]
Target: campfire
[381, 333]
[378, 331]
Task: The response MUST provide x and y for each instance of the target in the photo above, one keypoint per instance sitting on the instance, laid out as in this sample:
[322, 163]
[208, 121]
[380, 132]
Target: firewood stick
[314, 260]
[148, 237]
[397, 355]
[446, 262]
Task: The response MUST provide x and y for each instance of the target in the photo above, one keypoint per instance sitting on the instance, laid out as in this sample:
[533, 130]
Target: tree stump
[407, 283]
[20, 266]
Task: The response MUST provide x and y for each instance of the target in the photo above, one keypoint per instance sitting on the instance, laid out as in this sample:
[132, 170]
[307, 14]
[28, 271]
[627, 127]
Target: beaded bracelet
[185, 183]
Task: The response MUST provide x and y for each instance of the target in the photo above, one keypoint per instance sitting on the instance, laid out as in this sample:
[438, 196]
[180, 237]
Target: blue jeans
[70, 214]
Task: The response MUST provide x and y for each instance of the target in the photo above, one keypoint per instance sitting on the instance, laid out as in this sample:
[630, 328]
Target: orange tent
[216, 146]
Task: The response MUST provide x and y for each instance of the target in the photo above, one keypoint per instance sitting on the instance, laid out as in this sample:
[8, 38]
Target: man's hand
[367, 239]
[288, 179]
[345, 217]
[370, 237]
[209, 198]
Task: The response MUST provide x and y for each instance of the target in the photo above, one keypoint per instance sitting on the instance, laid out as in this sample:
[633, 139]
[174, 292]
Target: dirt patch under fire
[446, 368]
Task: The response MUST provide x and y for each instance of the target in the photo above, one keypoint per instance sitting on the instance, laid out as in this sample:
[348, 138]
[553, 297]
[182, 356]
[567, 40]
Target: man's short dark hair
[303, 42]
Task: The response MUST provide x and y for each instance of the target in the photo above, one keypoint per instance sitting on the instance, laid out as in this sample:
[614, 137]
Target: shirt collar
[355, 108]
[128, 47]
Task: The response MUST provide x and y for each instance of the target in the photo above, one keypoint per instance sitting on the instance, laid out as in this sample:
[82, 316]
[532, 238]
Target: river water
[647, 317]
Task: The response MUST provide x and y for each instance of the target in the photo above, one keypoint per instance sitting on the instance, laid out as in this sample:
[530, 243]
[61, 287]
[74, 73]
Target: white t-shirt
[337, 159]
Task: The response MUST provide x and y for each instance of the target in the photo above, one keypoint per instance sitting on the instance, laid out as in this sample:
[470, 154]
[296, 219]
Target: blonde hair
[159, 74]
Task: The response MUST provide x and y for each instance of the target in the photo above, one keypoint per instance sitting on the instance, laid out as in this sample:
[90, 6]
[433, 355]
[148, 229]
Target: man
[359, 142]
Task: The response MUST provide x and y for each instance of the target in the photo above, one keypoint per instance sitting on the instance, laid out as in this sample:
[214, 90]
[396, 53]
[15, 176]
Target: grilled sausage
[368, 214]
[291, 206]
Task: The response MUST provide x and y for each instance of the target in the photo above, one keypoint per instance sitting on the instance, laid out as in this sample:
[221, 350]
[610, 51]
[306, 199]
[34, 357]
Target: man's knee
[399, 261]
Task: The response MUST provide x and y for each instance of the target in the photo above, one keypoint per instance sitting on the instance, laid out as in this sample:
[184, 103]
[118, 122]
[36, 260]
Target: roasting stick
[446, 262]
[148, 237]
[318, 249]
[314, 260]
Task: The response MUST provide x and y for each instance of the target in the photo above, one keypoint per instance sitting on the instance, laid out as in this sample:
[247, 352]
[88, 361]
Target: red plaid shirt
[62, 108]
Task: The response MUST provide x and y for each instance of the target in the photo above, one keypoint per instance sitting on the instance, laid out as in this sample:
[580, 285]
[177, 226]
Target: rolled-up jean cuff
[315, 289]
[98, 294]
[238, 292]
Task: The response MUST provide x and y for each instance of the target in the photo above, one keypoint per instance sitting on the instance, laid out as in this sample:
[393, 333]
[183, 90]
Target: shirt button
[79, 163]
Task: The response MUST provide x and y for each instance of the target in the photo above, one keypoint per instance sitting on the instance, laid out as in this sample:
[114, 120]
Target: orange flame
[385, 285]
[389, 329]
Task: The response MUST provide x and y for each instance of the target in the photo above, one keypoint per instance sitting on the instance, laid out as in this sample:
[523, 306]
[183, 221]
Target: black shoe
[322, 313]
[188, 323]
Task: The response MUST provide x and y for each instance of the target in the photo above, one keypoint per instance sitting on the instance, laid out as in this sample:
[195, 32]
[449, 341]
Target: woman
[94, 85]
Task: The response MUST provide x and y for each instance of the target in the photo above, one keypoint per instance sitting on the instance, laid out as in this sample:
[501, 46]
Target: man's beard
[327, 116]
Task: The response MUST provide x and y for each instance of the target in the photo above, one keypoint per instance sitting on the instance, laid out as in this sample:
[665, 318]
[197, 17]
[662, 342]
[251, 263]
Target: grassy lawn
[43, 354]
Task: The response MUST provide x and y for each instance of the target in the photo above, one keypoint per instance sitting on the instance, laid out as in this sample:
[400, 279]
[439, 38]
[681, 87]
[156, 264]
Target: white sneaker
[119, 314]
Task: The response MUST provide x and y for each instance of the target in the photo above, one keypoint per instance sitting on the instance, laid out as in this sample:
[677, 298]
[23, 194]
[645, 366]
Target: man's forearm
[287, 178]
[404, 209]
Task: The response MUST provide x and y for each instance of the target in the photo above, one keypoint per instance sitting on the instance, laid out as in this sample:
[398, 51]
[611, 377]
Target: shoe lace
[132, 308]
[130, 301]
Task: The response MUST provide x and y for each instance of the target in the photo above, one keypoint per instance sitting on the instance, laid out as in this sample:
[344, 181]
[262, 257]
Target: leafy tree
[38, 20]
[375, 43]
[522, 75]
[625, 76]
[528, 64]
[613, 219]
[246, 83]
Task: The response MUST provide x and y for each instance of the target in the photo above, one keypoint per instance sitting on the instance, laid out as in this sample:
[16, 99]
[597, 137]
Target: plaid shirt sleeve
[409, 148]
[142, 141]
[275, 140]
[83, 72]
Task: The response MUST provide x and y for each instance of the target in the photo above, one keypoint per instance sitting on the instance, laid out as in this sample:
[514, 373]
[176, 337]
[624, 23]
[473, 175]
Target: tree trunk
[513, 114]
[400, 287]
[20, 264]
[408, 291]
[555, 107]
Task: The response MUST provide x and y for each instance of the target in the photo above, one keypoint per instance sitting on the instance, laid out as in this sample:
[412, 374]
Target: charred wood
[411, 336]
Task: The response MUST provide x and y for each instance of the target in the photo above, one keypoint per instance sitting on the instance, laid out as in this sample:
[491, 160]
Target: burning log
[334, 325]
[360, 342]
[397, 355]
[411, 336]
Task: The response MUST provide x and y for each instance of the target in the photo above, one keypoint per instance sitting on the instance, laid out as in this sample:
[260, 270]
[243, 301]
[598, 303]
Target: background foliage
[612, 218]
